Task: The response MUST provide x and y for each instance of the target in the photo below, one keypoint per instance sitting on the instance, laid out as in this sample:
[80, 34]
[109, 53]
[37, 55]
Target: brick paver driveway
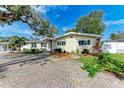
[53, 72]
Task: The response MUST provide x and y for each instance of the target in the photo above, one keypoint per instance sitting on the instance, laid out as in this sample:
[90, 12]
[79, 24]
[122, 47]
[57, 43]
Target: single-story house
[113, 46]
[68, 42]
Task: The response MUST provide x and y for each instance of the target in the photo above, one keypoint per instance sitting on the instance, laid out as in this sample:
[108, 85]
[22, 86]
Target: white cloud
[71, 26]
[114, 22]
[15, 29]
[46, 8]
[58, 15]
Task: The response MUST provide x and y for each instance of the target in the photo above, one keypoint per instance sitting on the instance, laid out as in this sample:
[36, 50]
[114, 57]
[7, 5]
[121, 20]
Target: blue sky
[65, 17]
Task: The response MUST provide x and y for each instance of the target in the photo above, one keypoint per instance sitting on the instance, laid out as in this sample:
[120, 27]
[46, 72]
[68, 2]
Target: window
[58, 43]
[88, 42]
[33, 45]
[61, 43]
[84, 42]
[43, 45]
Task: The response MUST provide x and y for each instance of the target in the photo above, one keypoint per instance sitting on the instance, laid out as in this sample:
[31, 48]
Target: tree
[52, 31]
[119, 35]
[16, 42]
[113, 36]
[71, 30]
[2, 39]
[24, 38]
[25, 14]
[91, 23]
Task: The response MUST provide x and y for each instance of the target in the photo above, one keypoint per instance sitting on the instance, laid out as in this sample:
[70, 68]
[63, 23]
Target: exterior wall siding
[72, 43]
[38, 46]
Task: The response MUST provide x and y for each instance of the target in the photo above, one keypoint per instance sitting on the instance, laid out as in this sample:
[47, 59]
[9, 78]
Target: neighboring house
[68, 42]
[44, 44]
[4, 46]
[113, 46]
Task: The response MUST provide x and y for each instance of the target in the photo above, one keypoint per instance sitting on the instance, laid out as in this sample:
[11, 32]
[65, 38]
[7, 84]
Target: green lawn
[93, 66]
[86, 59]
[119, 57]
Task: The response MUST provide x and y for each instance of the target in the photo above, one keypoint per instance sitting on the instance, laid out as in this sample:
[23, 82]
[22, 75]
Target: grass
[119, 57]
[93, 66]
[86, 59]
[90, 65]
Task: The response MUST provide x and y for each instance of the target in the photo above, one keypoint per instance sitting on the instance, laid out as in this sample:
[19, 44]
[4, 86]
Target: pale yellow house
[68, 42]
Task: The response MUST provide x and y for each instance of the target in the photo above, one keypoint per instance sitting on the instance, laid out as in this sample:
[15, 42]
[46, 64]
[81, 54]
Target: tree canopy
[26, 14]
[91, 23]
[17, 42]
[71, 30]
[2, 39]
[53, 30]
[119, 35]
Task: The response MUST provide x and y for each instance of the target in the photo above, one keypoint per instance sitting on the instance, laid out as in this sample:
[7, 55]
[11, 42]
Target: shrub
[30, 51]
[104, 61]
[35, 51]
[77, 51]
[26, 51]
[107, 61]
[104, 58]
[92, 68]
[58, 50]
[85, 51]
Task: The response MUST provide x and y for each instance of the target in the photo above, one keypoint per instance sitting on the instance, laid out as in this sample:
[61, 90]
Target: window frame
[61, 43]
[84, 42]
[33, 45]
[43, 45]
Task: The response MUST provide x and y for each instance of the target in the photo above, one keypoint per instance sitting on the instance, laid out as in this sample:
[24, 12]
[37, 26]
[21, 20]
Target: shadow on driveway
[22, 60]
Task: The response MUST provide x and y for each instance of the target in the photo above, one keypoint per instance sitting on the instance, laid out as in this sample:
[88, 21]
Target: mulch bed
[65, 55]
[68, 55]
[88, 55]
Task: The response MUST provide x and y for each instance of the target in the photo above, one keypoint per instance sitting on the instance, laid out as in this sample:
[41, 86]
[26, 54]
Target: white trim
[83, 34]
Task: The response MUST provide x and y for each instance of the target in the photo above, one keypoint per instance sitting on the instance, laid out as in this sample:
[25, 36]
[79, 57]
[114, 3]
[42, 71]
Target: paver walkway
[54, 72]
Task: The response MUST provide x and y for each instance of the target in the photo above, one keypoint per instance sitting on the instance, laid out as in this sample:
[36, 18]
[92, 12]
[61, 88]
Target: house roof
[4, 43]
[70, 33]
[39, 41]
[82, 34]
